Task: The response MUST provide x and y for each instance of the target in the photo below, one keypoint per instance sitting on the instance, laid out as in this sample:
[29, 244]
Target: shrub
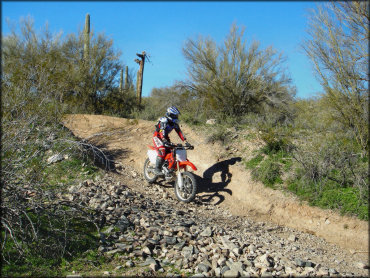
[269, 172]
[332, 173]
[220, 134]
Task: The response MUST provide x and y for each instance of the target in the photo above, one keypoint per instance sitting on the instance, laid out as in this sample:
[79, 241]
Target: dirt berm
[224, 179]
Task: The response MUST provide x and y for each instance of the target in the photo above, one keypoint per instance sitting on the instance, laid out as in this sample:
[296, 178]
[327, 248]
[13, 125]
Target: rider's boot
[158, 166]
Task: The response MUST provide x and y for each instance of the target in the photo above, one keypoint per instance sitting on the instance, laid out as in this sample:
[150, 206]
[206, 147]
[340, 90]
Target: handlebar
[180, 146]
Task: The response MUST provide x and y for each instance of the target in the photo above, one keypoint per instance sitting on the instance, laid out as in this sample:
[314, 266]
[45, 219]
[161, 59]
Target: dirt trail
[128, 140]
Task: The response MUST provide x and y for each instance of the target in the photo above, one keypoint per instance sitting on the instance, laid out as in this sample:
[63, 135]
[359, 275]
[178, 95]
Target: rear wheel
[149, 171]
[189, 189]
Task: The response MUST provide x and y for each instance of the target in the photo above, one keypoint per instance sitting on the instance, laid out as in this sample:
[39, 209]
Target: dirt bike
[174, 167]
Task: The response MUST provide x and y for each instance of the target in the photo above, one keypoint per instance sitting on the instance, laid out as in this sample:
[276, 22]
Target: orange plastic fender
[188, 163]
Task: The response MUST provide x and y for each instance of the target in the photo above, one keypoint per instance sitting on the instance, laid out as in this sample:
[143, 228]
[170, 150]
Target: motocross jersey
[164, 127]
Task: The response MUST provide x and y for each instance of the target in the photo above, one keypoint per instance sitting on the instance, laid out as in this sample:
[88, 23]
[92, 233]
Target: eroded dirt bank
[224, 180]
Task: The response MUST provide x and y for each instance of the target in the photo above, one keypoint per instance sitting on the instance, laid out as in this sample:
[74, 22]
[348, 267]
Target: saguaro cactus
[126, 78]
[140, 73]
[87, 37]
[121, 82]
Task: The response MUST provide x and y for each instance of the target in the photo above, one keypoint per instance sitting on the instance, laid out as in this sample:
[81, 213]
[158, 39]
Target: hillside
[128, 139]
[343, 240]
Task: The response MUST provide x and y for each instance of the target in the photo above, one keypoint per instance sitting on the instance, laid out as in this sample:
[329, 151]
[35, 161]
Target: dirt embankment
[224, 180]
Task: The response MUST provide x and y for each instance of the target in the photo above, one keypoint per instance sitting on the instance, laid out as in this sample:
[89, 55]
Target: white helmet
[172, 113]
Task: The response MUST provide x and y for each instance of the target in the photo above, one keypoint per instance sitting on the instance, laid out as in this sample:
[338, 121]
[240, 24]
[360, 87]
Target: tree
[235, 80]
[43, 77]
[121, 101]
[93, 78]
[338, 47]
[78, 81]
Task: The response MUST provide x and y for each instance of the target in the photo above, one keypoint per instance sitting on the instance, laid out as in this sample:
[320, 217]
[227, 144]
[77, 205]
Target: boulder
[211, 122]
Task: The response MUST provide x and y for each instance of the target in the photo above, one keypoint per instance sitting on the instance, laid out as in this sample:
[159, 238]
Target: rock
[123, 224]
[148, 261]
[290, 271]
[114, 251]
[202, 267]
[237, 266]
[221, 261]
[73, 276]
[362, 265]
[292, 237]
[211, 122]
[154, 266]
[300, 263]
[333, 271]
[308, 271]
[309, 264]
[55, 158]
[224, 269]
[129, 263]
[133, 174]
[323, 272]
[266, 260]
[218, 272]
[207, 232]
[252, 248]
[147, 251]
[153, 241]
[227, 243]
[266, 273]
[187, 223]
[231, 273]
[180, 245]
[237, 251]
[187, 252]
[170, 240]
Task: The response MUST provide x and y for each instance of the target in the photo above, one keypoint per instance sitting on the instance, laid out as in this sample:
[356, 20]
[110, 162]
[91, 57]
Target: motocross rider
[160, 137]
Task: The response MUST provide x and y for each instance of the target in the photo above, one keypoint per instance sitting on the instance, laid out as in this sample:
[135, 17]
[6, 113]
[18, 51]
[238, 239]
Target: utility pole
[87, 37]
[140, 73]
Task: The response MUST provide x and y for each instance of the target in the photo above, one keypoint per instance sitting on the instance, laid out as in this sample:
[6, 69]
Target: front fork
[180, 180]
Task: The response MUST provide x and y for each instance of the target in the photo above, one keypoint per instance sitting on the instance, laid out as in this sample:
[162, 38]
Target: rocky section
[148, 228]
[126, 140]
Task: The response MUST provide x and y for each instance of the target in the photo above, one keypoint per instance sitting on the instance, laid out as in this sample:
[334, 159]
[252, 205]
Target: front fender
[187, 163]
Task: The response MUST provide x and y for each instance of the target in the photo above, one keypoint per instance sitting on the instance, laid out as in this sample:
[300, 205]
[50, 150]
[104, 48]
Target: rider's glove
[166, 144]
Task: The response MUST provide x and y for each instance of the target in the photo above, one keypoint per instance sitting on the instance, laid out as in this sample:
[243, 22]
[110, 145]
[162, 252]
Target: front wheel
[189, 188]
[149, 174]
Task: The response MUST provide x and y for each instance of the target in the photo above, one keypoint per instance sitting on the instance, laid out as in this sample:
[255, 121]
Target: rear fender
[187, 163]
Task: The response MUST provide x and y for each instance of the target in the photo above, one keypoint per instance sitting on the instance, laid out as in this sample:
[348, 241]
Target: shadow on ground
[104, 158]
[212, 189]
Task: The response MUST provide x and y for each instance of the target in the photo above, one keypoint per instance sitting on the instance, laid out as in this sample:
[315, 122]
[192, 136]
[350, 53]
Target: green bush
[328, 195]
[332, 172]
[252, 163]
[269, 172]
[268, 165]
